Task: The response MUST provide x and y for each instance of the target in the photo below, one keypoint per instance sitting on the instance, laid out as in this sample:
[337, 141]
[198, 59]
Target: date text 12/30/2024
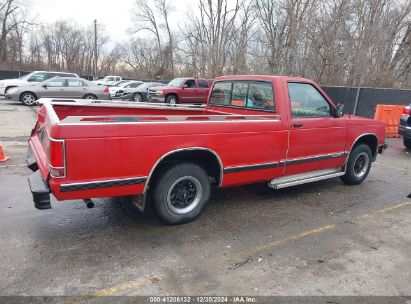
[203, 299]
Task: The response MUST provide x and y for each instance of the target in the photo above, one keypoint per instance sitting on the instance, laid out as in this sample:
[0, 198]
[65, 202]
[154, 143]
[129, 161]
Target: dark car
[405, 126]
[138, 94]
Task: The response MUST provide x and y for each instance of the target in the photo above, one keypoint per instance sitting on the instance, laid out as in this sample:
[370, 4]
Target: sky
[115, 15]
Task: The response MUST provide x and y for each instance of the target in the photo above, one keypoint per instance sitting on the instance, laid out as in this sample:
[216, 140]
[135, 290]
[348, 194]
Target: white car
[108, 80]
[30, 79]
[125, 85]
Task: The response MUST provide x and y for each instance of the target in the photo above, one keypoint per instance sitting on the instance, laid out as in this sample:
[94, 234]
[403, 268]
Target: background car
[125, 85]
[30, 79]
[118, 83]
[138, 94]
[59, 87]
[108, 80]
[405, 126]
[181, 90]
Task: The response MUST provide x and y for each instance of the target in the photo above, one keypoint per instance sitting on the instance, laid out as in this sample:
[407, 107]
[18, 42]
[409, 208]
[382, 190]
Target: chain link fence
[363, 101]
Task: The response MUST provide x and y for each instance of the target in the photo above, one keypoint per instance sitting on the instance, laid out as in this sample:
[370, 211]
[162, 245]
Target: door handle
[298, 125]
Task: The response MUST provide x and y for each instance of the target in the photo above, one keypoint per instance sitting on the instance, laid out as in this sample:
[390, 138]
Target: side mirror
[339, 110]
[185, 86]
[44, 86]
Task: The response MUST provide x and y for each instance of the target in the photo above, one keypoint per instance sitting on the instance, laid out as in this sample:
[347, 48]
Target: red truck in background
[281, 130]
[181, 90]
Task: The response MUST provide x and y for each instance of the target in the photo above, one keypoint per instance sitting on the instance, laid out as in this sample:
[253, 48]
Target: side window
[203, 84]
[190, 84]
[75, 83]
[38, 77]
[221, 94]
[51, 75]
[261, 96]
[306, 101]
[118, 79]
[239, 96]
[56, 83]
[111, 79]
[134, 85]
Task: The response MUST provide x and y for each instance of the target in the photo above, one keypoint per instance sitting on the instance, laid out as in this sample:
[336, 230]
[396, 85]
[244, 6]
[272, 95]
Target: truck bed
[108, 141]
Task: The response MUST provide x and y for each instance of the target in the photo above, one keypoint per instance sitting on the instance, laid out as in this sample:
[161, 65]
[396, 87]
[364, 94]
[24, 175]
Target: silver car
[59, 87]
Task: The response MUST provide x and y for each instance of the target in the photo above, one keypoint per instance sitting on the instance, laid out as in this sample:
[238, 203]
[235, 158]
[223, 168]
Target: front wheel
[90, 97]
[172, 99]
[137, 97]
[407, 143]
[28, 98]
[358, 165]
[181, 193]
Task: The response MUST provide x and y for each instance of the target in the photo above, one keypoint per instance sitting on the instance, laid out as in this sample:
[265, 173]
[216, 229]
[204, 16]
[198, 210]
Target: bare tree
[12, 18]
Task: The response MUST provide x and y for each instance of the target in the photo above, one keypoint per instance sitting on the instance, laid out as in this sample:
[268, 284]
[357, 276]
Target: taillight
[106, 90]
[406, 110]
[57, 161]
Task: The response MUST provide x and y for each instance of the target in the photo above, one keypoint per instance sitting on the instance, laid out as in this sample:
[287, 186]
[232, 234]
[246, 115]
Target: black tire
[358, 165]
[137, 97]
[90, 96]
[28, 99]
[172, 99]
[407, 143]
[181, 192]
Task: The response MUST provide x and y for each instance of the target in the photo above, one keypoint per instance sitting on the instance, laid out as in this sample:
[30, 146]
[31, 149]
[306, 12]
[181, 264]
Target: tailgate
[40, 142]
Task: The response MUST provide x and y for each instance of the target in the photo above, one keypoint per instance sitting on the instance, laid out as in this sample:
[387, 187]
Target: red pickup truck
[284, 131]
[181, 90]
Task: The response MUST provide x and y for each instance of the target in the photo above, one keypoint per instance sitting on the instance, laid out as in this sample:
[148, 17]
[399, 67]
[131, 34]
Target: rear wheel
[90, 96]
[172, 99]
[358, 165]
[407, 143]
[137, 97]
[181, 193]
[28, 98]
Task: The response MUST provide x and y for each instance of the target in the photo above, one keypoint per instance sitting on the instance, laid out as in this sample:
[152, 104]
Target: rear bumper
[38, 187]
[40, 191]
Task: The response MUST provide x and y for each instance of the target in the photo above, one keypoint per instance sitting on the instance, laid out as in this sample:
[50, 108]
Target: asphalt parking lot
[323, 238]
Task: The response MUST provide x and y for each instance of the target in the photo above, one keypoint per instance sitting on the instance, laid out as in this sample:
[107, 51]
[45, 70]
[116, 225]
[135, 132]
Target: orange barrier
[390, 115]
[2, 157]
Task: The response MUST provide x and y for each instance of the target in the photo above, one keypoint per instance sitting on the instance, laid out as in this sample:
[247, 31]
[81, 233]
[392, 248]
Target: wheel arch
[171, 93]
[9, 87]
[207, 158]
[370, 139]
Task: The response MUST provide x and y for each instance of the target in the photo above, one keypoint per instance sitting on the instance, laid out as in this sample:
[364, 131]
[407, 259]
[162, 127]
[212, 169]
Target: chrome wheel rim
[90, 97]
[172, 101]
[137, 98]
[28, 99]
[361, 164]
[184, 195]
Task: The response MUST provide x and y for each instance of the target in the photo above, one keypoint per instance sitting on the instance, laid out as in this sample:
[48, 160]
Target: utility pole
[95, 48]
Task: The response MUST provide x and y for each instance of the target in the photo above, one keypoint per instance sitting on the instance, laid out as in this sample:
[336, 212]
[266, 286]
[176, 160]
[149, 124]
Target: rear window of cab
[252, 95]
